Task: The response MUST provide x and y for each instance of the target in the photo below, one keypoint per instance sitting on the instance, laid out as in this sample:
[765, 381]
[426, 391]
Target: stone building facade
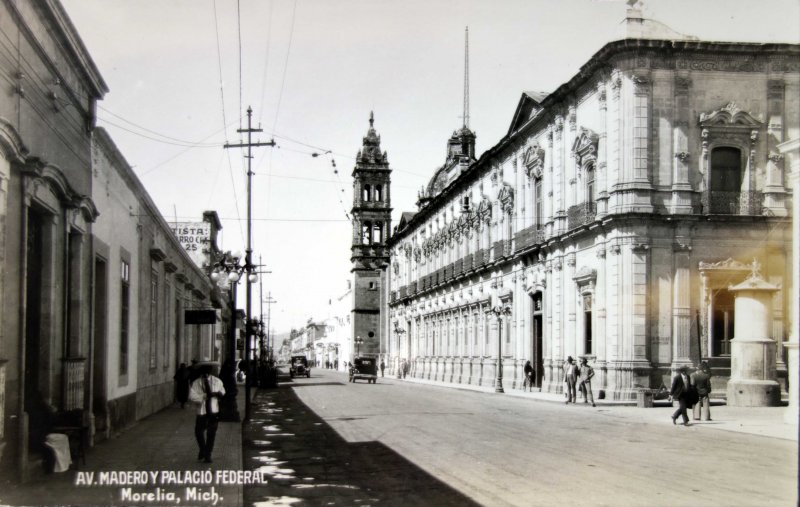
[143, 282]
[94, 283]
[610, 222]
[47, 114]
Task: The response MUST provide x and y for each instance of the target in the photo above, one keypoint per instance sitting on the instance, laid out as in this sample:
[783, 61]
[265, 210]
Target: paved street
[324, 441]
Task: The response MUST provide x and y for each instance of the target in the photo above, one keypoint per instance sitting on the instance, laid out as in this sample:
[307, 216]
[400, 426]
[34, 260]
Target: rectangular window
[153, 317]
[124, 317]
[641, 134]
[167, 327]
[538, 203]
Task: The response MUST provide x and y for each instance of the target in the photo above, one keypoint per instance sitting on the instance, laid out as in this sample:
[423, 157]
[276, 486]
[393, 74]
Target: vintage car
[364, 368]
[299, 367]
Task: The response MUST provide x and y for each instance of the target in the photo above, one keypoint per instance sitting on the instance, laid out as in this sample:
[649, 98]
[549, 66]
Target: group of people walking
[691, 391]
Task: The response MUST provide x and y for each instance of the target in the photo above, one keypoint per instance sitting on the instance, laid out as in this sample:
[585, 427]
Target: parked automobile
[364, 368]
[299, 367]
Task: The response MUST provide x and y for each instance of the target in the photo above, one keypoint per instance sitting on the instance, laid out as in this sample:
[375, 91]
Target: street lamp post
[500, 310]
[228, 268]
[399, 331]
[358, 341]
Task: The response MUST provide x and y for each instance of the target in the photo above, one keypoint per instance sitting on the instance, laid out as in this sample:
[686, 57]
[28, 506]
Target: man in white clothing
[206, 391]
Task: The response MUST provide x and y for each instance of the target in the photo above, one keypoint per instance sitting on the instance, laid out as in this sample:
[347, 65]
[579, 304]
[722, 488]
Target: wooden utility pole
[251, 276]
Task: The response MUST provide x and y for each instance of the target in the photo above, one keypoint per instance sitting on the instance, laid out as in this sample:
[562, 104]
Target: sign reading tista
[194, 237]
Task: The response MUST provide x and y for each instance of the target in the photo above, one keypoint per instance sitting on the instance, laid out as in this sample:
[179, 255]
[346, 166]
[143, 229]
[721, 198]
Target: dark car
[299, 367]
[364, 368]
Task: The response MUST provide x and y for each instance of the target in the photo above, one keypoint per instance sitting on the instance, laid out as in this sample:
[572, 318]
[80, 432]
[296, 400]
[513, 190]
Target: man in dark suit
[701, 380]
[680, 392]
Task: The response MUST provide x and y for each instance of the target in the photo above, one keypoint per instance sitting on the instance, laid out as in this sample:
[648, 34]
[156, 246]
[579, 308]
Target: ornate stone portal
[753, 371]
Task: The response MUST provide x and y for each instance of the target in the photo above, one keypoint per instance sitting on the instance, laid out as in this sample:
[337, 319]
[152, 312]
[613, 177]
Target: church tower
[372, 217]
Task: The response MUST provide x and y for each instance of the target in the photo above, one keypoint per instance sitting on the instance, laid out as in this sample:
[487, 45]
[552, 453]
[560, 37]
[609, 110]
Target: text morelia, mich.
[208, 496]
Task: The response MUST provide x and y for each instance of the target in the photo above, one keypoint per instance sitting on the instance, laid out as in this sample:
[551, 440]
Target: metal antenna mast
[466, 77]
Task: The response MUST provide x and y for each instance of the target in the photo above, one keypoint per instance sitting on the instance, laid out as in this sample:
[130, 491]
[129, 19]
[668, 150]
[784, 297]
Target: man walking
[571, 378]
[680, 392]
[701, 380]
[586, 374]
[206, 391]
[383, 367]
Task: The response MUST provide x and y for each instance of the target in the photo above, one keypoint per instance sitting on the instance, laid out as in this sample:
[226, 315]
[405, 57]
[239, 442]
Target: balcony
[448, 272]
[733, 203]
[393, 296]
[499, 249]
[403, 292]
[412, 288]
[458, 269]
[467, 262]
[529, 237]
[581, 214]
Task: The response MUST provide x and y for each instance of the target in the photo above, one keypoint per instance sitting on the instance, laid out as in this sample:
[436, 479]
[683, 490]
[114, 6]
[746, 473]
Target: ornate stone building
[610, 221]
[371, 214]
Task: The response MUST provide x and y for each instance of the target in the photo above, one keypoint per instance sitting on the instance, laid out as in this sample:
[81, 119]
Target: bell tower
[372, 217]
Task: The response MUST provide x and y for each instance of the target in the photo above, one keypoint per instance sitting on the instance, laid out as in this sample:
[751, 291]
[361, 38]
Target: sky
[182, 74]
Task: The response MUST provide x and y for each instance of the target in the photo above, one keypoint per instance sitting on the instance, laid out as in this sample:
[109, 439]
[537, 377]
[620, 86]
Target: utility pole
[249, 250]
[269, 302]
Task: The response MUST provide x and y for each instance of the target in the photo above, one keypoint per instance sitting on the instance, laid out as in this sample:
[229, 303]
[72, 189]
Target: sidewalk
[161, 442]
[763, 421]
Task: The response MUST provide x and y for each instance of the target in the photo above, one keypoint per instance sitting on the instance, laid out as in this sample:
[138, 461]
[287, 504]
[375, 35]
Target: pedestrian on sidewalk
[528, 382]
[406, 368]
[571, 378]
[701, 381]
[586, 374]
[206, 391]
[182, 384]
[680, 391]
[383, 366]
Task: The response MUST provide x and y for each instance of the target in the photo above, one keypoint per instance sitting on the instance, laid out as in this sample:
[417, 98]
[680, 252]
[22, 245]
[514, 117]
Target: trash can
[644, 398]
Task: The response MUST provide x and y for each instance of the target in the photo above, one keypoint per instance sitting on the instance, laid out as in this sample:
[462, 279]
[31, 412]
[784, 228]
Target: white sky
[402, 59]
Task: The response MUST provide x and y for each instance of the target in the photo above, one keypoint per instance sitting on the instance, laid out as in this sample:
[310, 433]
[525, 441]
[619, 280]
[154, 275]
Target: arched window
[377, 194]
[366, 233]
[377, 235]
[365, 193]
[590, 183]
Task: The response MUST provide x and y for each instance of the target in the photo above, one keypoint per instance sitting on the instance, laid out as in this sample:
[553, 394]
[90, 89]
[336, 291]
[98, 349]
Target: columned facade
[611, 220]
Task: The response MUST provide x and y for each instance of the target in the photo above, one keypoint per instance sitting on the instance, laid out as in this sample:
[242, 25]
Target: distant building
[609, 221]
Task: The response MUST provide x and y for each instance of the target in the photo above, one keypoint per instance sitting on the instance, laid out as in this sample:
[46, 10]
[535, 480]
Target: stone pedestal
[753, 352]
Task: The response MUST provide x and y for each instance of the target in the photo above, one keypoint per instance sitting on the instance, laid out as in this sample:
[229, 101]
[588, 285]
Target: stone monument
[753, 351]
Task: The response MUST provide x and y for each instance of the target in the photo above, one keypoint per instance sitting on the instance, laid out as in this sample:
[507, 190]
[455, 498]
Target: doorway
[538, 338]
[100, 341]
[36, 405]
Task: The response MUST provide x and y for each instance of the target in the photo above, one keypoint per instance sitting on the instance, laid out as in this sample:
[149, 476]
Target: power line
[239, 31]
[185, 145]
[285, 65]
[154, 132]
[266, 62]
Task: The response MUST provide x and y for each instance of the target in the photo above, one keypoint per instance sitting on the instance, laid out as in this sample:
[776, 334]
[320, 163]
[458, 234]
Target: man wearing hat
[571, 378]
[586, 375]
[680, 392]
[701, 380]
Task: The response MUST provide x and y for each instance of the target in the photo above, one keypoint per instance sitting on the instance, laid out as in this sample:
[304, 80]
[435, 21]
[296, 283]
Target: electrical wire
[266, 63]
[204, 145]
[285, 66]
[183, 141]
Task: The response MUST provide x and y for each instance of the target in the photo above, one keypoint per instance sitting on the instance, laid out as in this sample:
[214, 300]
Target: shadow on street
[306, 462]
